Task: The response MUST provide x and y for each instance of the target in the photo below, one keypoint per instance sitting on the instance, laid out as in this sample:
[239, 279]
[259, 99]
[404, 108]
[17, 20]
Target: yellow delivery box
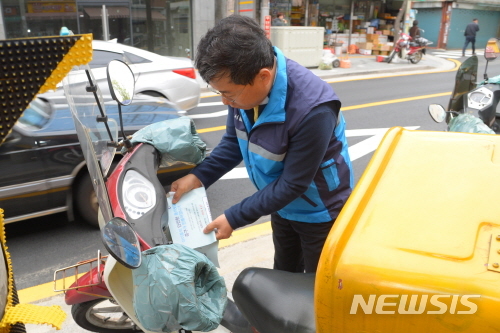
[417, 246]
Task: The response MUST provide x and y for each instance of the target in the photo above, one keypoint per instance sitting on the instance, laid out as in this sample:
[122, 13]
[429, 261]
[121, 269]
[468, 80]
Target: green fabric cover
[176, 140]
[469, 124]
[177, 287]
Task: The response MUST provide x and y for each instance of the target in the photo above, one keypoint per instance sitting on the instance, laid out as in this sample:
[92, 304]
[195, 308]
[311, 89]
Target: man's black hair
[236, 46]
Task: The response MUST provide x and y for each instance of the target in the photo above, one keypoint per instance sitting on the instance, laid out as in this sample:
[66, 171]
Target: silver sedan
[173, 78]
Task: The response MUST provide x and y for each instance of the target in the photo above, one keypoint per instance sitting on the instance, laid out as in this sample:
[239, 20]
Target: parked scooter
[408, 48]
[101, 299]
[473, 107]
[407, 253]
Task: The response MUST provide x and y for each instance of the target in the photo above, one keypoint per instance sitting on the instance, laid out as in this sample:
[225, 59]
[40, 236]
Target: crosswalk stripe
[456, 54]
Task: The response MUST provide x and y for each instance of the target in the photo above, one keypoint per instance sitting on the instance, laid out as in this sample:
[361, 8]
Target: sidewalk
[362, 65]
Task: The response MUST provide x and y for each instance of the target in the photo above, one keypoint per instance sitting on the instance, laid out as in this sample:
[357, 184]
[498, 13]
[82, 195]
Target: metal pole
[150, 27]
[78, 19]
[237, 7]
[131, 27]
[220, 10]
[105, 28]
[2, 26]
[24, 24]
[264, 11]
[350, 25]
[306, 21]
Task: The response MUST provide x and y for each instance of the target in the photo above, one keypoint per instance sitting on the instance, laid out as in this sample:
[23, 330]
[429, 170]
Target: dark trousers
[298, 245]
[471, 40]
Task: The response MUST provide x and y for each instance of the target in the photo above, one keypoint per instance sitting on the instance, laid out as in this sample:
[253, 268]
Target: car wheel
[336, 63]
[103, 316]
[86, 201]
[152, 94]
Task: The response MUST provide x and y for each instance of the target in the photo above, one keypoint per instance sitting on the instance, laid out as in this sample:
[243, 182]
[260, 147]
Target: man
[279, 20]
[285, 123]
[470, 36]
[415, 30]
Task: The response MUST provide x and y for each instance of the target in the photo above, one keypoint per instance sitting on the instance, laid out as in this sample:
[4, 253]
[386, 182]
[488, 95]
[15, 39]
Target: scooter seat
[276, 301]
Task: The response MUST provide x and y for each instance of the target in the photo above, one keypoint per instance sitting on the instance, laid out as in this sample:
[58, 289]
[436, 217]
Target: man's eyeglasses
[230, 99]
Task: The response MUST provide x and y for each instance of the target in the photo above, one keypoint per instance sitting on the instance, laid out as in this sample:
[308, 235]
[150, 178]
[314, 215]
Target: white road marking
[210, 104]
[457, 54]
[208, 115]
[356, 151]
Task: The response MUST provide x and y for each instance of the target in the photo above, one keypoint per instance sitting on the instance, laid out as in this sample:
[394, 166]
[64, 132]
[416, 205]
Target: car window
[102, 58]
[37, 115]
[135, 59]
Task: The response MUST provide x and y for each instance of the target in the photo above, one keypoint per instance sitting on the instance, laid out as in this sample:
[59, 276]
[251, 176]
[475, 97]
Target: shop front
[161, 26]
[369, 23]
[331, 14]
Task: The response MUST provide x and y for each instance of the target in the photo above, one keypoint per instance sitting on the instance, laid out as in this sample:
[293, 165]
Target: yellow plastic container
[417, 246]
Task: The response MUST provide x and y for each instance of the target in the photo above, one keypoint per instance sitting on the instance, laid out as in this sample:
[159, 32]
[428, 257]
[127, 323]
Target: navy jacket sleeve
[306, 150]
[225, 156]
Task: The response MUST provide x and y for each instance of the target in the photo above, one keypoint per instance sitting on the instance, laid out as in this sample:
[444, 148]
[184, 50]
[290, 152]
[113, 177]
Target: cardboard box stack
[369, 36]
[376, 44]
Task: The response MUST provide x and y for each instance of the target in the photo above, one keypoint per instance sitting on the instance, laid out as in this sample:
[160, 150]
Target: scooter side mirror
[492, 49]
[121, 242]
[437, 112]
[121, 82]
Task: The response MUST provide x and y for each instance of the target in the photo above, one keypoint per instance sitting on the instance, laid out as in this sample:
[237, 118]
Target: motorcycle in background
[408, 48]
[473, 107]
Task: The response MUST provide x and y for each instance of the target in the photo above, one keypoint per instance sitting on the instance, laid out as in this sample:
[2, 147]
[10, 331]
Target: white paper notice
[187, 219]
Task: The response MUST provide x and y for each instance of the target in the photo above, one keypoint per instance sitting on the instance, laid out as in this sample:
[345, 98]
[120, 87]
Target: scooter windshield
[465, 81]
[97, 133]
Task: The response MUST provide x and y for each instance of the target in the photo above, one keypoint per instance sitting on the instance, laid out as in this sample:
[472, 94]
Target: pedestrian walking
[285, 123]
[279, 20]
[470, 36]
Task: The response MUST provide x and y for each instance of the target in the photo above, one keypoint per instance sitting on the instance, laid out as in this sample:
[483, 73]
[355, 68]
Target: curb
[375, 71]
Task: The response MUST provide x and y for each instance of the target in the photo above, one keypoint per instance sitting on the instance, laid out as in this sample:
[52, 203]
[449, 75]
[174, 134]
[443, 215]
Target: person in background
[470, 36]
[285, 123]
[415, 30]
[279, 20]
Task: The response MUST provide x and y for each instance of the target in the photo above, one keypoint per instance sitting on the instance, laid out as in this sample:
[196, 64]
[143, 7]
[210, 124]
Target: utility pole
[397, 24]
[220, 10]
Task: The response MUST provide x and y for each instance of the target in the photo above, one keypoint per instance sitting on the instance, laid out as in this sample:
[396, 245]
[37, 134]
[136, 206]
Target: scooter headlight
[403, 43]
[138, 194]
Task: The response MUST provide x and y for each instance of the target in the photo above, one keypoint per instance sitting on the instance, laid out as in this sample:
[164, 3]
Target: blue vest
[295, 92]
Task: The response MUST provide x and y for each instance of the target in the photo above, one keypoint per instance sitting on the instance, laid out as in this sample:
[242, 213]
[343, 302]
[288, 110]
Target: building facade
[174, 27]
[444, 22]
[167, 27]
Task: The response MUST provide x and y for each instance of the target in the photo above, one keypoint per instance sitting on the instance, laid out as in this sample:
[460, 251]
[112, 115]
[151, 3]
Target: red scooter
[101, 298]
[409, 49]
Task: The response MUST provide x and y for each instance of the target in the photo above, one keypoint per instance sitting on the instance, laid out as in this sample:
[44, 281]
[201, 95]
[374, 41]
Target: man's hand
[183, 185]
[223, 227]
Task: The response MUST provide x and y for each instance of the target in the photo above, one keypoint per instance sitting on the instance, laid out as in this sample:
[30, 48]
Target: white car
[173, 78]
